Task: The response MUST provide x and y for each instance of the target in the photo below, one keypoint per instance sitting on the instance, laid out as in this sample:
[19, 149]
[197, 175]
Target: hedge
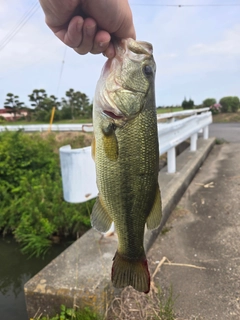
[31, 202]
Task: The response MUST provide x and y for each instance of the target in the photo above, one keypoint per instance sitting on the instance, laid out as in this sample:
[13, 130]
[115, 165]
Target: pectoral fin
[100, 219]
[110, 143]
[155, 216]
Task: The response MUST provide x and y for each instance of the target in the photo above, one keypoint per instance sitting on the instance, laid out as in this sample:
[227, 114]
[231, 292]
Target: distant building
[4, 113]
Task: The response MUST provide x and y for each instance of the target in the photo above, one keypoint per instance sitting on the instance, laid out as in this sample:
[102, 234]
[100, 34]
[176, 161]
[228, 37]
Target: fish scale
[126, 154]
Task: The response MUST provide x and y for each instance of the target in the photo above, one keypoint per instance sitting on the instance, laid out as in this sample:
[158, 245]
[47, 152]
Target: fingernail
[90, 30]
[103, 44]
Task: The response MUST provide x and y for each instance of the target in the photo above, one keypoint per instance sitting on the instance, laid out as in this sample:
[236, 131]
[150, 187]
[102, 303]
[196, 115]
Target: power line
[19, 25]
[61, 69]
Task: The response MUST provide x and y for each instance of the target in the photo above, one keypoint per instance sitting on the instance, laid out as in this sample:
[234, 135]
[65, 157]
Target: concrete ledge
[81, 274]
[174, 185]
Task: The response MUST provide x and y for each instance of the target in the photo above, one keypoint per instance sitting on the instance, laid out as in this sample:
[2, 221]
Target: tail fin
[130, 273]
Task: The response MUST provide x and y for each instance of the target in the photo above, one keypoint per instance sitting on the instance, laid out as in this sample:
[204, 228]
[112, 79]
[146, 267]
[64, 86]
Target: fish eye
[147, 70]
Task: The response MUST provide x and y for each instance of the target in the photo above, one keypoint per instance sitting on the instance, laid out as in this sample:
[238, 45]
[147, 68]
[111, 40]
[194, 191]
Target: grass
[165, 229]
[226, 117]
[218, 118]
[72, 314]
[131, 304]
[220, 141]
[166, 110]
[24, 122]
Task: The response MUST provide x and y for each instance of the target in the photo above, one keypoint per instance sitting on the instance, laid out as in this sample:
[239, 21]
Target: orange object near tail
[126, 272]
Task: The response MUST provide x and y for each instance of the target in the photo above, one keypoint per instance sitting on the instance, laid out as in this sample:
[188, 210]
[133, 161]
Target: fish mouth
[133, 48]
[113, 115]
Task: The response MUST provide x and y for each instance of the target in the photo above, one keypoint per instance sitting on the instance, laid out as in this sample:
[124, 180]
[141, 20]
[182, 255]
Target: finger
[88, 35]
[126, 30]
[101, 42]
[110, 51]
[72, 36]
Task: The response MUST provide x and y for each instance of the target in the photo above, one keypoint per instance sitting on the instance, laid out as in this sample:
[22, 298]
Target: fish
[126, 153]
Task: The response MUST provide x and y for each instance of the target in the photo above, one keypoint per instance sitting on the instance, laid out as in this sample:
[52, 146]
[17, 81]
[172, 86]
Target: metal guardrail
[86, 127]
[78, 168]
[185, 113]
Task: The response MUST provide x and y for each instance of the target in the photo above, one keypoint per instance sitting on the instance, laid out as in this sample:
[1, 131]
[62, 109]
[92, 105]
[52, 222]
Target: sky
[196, 49]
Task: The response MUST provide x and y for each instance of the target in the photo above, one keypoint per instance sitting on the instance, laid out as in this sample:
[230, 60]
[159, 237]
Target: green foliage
[216, 108]
[166, 304]
[2, 120]
[77, 103]
[235, 104]
[36, 97]
[230, 104]
[168, 109]
[72, 314]
[13, 104]
[31, 202]
[43, 105]
[207, 103]
[187, 104]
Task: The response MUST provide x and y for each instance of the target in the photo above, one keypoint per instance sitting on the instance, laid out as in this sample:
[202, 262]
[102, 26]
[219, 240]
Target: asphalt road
[204, 232]
[227, 131]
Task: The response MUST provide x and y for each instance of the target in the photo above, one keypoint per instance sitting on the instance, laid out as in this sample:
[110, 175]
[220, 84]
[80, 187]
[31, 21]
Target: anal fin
[155, 216]
[100, 219]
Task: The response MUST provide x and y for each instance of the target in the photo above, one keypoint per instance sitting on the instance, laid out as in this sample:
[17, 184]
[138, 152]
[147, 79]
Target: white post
[193, 146]
[171, 160]
[205, 133]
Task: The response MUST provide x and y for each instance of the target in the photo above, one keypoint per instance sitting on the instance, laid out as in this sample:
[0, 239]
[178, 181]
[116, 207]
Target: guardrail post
[193, 146]
[206, 133]
[171, 160]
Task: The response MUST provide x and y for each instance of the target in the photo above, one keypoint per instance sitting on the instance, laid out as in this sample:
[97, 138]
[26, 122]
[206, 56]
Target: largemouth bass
[126, 154]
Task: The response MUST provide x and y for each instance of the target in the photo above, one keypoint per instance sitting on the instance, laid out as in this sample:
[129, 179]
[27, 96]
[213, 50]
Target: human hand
[89, 25]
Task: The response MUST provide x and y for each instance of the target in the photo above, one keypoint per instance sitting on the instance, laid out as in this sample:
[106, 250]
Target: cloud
[229, 45]
[32, 44]
[194, 49]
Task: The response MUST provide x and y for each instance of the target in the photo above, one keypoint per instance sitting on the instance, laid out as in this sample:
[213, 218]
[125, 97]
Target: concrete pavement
[205, 232]
[227, 131]
[81, 274]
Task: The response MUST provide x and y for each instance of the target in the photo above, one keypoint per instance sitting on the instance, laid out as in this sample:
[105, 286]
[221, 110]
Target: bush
[215, 108]
[2, 120]
[207, 103]
[235, 104]
[31, 203]
[229, 104]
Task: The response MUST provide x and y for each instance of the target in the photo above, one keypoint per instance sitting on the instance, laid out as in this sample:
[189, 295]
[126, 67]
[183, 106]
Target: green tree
[78, 103]
[207, 103]
[187, 104]
[66, 111]
[229, 104]
[43, 105]
[12, 104]
[37, 97]
[235, 104]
